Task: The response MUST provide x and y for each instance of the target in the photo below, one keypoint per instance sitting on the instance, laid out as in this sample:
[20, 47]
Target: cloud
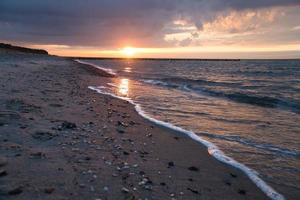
[114, 23]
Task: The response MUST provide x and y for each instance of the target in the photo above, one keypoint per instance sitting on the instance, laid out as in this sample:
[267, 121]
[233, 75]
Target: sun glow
[128, 51]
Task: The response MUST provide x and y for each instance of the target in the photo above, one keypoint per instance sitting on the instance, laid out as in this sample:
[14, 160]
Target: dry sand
[60, 140]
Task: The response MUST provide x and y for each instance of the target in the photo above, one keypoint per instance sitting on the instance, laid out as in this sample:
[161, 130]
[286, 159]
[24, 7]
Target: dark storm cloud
[108, 22]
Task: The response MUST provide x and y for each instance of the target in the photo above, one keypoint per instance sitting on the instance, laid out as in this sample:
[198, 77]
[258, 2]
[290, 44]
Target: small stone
[193, 191]
[68, 125]
[120, 129]
[125, 190]
[43, 135]
[9, 190]
[15, 191]
[135, 165]
[242, 192]
[105, 188]
[49, 190]
[171, 164]
[228, 183]
[38, 155]
[3, 172]
[148, 187]
[195, 169]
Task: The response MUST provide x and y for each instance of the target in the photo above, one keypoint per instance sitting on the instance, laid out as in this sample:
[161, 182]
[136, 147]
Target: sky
[155, 28]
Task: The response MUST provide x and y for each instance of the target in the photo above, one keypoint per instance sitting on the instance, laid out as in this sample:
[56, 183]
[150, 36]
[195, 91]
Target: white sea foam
[112, 84]
[110, 71]
[212, 149]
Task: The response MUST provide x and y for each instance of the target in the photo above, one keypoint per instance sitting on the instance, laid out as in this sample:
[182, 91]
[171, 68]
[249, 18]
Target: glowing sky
[155, 28]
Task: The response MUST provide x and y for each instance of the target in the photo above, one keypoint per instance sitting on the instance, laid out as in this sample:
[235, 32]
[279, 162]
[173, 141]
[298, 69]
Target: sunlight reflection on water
[123, 87]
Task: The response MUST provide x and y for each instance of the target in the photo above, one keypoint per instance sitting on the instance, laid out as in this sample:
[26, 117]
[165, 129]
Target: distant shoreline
[22, 49]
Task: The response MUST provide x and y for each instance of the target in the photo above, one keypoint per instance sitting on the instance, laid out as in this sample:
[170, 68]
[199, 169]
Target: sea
[247, 112]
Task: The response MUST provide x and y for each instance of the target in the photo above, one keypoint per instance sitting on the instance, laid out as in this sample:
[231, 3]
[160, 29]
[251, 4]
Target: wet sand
[60, 140]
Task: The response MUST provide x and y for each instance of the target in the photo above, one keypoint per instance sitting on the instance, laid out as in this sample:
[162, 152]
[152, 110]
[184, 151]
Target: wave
[212, 149]
[107, 70]
[247, 142]
[190, 81]
[263, 101]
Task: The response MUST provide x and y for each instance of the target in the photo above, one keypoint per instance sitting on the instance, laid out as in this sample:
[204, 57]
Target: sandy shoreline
[60, 140]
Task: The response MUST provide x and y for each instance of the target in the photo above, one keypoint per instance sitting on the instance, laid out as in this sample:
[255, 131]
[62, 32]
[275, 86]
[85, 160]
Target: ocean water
[249, 109]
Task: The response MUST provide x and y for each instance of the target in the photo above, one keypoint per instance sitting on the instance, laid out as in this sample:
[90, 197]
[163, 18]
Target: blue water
[250, 109]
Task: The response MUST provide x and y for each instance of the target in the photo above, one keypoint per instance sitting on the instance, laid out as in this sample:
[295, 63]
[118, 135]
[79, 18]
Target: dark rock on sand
[192, 168]
[162, 183]
[68, 125]
[55, 105]
[49, 190]
[171, 164]
[227, 183]
[193, 191]
[120, 129]
[37, 155]
[43, 135]
[3, 172]
[242, 192]
[233, 175]
[10, 190]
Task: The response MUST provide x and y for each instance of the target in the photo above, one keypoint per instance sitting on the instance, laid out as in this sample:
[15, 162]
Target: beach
[61, 140]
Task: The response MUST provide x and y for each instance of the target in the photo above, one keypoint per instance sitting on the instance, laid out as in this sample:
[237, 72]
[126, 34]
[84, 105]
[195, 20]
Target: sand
[61, 140]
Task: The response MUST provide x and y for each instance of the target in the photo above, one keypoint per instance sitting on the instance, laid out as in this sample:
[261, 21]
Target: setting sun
[128, 51]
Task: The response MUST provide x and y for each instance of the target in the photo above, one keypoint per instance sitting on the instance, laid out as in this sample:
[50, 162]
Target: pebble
[10, 190]
[242, 192]
[3, 172]
[49, 190]
[37, 154]
[135, 165]
[125, 190]
[171, 164]
[68, 125]
[193, 191]
[105, 188]
[192, 168]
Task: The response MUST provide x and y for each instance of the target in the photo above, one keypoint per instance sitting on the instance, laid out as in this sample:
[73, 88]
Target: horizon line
[201, 59]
